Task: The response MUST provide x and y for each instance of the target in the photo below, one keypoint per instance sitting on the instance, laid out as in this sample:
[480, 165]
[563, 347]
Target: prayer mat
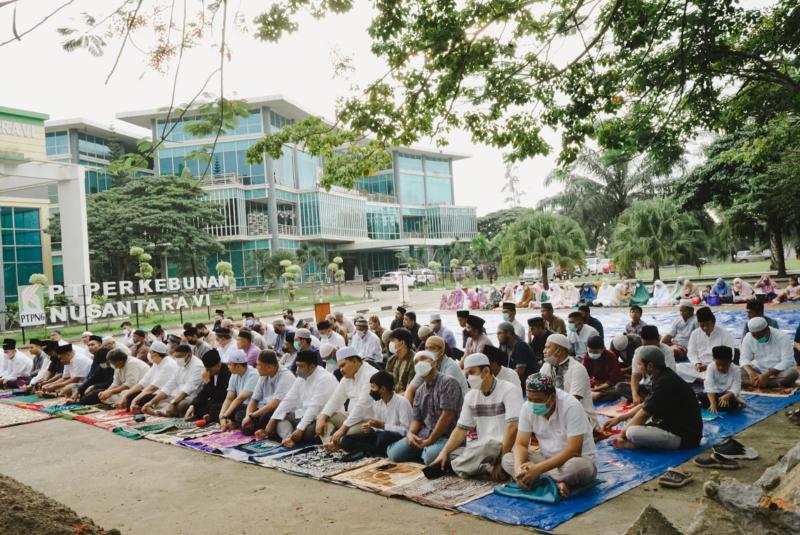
[55, 409]
[770, 392]
[15, 400]
[544, 492]
[259, 446]
[42, 403]
[312, 461]
[10, 415]
[83, 410]
[151, 426]
[612, 411]
[215, 442]
[189, 433]
[446, 492]
[164, 438]
[383, 477]
[709, 416]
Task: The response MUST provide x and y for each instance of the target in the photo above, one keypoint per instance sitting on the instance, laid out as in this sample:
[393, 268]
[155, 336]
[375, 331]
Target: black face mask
[374, 394]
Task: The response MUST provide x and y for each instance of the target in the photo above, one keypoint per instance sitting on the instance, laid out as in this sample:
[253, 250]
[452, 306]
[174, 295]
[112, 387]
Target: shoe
[674, 479]
[733, 449]
[715, 461]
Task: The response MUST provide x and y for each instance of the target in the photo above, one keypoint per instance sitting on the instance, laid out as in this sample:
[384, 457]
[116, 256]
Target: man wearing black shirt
[411, 325]
[669, 418]
[397, 322]
[212, 395]
[101, 374]
[590, 320]
[520, 354]
[462, 316]
[537, 338]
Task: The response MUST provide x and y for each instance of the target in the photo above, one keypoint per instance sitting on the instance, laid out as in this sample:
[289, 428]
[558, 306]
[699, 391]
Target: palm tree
[598, 188]
[539, 239]
[654, 232]
[481, 249]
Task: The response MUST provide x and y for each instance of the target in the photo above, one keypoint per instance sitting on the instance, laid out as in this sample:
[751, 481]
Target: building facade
[278, 204]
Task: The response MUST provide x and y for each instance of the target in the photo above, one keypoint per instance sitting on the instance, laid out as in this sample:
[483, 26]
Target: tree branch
[19, 36]
[129, 26]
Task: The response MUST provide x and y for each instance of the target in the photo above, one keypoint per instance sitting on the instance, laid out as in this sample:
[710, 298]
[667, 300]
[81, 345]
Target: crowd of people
[464, 403]
[624, 293]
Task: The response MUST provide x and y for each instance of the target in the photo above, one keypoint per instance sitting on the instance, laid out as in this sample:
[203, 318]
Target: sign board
[31, 305]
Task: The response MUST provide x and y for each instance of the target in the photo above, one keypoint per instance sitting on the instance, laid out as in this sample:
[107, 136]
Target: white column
[74, 234]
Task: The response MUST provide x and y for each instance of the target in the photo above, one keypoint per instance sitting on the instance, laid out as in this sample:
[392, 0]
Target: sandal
[715, 460]
[674, 479]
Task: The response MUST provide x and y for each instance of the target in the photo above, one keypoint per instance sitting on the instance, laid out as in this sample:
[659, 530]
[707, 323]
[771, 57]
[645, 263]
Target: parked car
[424, 276]
[608, 266]
[531, 275]
[394, 279]
[753, 256]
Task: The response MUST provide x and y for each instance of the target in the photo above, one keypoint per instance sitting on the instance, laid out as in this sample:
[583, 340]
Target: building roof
[95, 128]
[24, 114]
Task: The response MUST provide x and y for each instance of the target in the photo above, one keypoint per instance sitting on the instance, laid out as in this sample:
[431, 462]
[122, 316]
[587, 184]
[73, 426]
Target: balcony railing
[379, 197]
[222, 180]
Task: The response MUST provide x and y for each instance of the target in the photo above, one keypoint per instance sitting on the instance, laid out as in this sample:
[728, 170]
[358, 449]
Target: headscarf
[721, 288]
[571, 295]
[661, 295]
[641, 296]
[676, 291]
[588, 293]
[556, 296]
[743, 288]
[605, 296]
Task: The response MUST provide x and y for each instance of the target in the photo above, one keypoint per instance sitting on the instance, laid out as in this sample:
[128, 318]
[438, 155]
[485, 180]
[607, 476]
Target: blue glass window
[438, 190]
[57, 143]
[409, 162]
[412, 189]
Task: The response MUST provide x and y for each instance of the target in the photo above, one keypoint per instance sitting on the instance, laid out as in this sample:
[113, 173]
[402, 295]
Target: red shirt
[604, 370]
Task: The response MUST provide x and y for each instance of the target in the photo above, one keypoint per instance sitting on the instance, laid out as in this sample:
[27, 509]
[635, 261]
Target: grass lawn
[245, 301]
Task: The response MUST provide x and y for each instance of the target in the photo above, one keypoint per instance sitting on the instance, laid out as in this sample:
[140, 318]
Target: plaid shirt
[402, 368]
[441, 394]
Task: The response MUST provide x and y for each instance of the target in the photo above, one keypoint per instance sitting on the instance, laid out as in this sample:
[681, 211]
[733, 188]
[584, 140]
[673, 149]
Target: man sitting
[491, 408]
[590, 320]
[519, 353]
[401, 360]
[551, 321]
[441, 331]
[273, 385]
[15, 366]
[389, 423]
[45, 359]
[175, 398]
[157, 377]
[100, 374]
[635, 325]
[240, 387]
[477, 339]
[294, 419]
[723, 383]
[333, 422]
[140, 348]
[670, 416]
[327, 334]
[603, 368]
[701, 343]
[568, 374]
[566, 453]
[510, 316]
[578, 334]
[497, 359]
[767, 359]
[196, 342]
[244, 342]
[537, 337]
[76, 368]
[366, 343]
[436, 404]
[624, 346]
[755, 309]
[128, 371]
[681, 330]
[208, 402]
[639, 387]
[444, 364]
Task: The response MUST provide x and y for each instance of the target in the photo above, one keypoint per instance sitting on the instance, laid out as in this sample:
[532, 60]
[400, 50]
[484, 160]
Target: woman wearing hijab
[661, 296]
[791, 293]
[742, 291]
[641, 296]
[556, 296]
[527, 296]
[571, 295]
[767, 287]
[508, 293]
[690, 291]
[622, 295]
[605, 295]
[588, 293]
[458, 299]
[722, 290]
[676, 290]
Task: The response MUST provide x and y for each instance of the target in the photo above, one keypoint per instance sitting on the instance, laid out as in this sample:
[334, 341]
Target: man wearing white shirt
[702, 341]
[175, 398]
[391, 417]
[128, 371]
[44, 354]
[110, 344]
[681, 330]
[578, 334]
[240, 389]
[225, 344]
[366, 343]
[497, 357]
[16, 368]
[76, 368]
[568, 374]
[127, 333]
[491, 407]
[293, 420]
[767, 359]
[158, 376]
[330, 336]
[723, 383]
[333, 423]
[510, 316]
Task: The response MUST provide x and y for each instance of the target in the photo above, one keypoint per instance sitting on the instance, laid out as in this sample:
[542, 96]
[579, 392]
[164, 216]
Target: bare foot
[623, 444]
[563, 489]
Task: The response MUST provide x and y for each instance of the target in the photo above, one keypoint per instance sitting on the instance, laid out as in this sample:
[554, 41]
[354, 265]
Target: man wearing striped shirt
[491, 407]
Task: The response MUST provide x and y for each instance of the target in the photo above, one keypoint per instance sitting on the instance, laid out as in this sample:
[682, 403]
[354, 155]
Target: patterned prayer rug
[164, 438]
[612, 411]
[771, 392]
[312, 461]
[56, 409]
[383, 476]
[215, 442]
[14, 400]
[42, 403]
[446, 492]
[10, 415]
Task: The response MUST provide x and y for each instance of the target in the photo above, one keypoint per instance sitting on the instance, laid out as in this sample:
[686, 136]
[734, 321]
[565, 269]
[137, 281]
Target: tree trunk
[776, 248]
[656, 272]
[194, 266]
[544, 276]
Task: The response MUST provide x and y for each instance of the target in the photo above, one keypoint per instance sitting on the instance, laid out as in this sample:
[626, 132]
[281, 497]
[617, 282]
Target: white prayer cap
[345, 353]
[757, 324]
[87, 333]
[303, 333]
[326, 349]
[278, 321]
[620, 342]
[476, 359]
[686, 303]
[159, 347]
[237, 357]
[426, 355]
[436, 317]
[559, 340]
[108, 339]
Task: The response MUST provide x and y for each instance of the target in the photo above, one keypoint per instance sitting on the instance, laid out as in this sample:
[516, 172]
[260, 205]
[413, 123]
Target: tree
[654, 232]
[491, 224]
[598, 188]
[751, 176]
[540, 238]
[269, 265]
[483, 250]
[306, 254]
[152, 211]
[337, 273]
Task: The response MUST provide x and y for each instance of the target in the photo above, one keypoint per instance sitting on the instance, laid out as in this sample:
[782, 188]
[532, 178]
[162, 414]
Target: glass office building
[278, 204]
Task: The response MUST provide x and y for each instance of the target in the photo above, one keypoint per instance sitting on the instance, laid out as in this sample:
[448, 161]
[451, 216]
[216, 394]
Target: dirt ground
[24, 510]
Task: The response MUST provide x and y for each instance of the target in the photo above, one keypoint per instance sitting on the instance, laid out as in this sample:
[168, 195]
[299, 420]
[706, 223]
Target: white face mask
[474, 381]
[180, 360]
[392, 347]
[422, 368]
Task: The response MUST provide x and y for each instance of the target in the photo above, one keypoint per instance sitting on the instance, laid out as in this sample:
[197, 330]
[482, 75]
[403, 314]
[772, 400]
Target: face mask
[474, 381]
[302, 374]
[422, 368]
[539, 409]
[392, 347]
[323, 337]
[374, 394]
[552, 361]
[506, 317]
[572, 328]
[249, 323]
[180, 360]
[296, 346]
[762, 340]
[595, 356]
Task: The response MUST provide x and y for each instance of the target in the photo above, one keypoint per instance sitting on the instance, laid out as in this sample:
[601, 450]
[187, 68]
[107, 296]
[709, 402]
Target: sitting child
[723, 383]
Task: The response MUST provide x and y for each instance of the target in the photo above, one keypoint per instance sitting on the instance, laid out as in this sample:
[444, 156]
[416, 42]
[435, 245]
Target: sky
[40, 76]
